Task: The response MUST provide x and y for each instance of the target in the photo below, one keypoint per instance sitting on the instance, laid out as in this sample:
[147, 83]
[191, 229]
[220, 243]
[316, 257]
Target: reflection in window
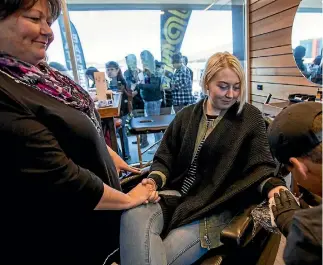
[307, 44]
[142, 43]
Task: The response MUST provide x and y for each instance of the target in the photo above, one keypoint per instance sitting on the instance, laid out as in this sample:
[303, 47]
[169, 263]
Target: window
[109, 31]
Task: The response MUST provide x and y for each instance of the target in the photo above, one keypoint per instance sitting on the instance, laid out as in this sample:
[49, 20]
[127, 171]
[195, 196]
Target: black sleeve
[40, 162]
[302, 246]
[166, 154]
[260, 160]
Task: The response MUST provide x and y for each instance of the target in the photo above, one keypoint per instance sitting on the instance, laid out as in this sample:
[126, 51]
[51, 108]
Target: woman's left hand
[275, 190]
[120, 164]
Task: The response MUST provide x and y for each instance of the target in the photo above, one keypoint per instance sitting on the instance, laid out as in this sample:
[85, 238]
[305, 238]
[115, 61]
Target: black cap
[291, 135]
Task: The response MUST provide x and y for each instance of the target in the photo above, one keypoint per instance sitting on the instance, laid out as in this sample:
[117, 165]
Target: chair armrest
[238, 232]
[132, 180]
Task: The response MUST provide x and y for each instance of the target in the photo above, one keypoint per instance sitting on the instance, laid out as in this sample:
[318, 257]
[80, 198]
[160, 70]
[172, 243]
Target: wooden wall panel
[287, 49]
[286, 80]
[273, 39]
[288, 71]
[257, 104]
[281, 91]
[260, 4]
[273, 61]
[272, 23]
[272, 9]
[271, 57]
[261, 99]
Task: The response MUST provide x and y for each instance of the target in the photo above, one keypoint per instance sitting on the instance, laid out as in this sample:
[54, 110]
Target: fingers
[133, 170]
[291, 200]
[277, 201]
[144, 181]
[150, 182]
[283, 197]
[274, 210]
[153, 197]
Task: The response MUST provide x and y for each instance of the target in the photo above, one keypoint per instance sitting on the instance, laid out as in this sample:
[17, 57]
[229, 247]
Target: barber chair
[241, 244]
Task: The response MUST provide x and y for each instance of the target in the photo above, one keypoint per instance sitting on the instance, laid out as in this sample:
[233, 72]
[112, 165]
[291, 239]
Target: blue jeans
[141, 244]
[124, 134]
[152, 108]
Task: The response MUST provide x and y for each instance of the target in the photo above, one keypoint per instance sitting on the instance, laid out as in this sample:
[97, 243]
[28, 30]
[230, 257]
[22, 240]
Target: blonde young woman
[213, 161]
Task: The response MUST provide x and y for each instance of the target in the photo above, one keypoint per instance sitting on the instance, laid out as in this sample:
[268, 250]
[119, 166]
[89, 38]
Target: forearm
[113, 200]
[113, 155]
[111, 152]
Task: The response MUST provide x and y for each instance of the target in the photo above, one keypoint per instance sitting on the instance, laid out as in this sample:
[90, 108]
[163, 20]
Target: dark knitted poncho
[234, 158]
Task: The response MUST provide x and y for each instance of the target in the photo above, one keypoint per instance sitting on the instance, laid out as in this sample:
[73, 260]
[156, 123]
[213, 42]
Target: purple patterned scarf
[50, 82]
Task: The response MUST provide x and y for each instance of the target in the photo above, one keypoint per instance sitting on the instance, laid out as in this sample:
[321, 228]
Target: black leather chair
[241, 245]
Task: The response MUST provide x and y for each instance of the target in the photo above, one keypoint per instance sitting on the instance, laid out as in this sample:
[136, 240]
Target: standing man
[295, 138]
[181, 84]
[185, 61]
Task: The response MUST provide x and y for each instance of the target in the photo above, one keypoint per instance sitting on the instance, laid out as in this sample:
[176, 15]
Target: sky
[111, 35]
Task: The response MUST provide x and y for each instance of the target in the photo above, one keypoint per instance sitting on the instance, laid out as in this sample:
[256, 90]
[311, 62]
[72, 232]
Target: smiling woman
[56, 164]
[27, 34]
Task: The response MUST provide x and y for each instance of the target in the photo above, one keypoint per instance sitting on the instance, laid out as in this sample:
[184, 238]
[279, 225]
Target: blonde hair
[218, 62]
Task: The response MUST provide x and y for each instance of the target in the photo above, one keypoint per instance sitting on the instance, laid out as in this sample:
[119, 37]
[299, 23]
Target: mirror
[307, 39]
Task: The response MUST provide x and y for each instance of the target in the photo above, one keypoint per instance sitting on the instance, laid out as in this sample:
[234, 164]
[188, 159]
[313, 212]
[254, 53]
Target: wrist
[129, 203]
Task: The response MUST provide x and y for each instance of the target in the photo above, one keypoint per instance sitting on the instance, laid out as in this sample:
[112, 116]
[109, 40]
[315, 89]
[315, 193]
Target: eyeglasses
[111, 69]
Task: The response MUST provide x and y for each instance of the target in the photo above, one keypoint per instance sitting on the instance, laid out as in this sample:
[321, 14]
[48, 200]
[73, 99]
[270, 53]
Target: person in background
[295, 138]
[318, 59]
[213, 162]
[56, 168]
[61, 68]
[299, 53]
[134, 76]
[165, 85]
[118, 83]
[316, 69]
[181, 84]
[185, 61]
[150, 91]
[90, 75]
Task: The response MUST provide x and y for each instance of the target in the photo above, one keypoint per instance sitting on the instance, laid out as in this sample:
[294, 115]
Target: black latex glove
[284, 210]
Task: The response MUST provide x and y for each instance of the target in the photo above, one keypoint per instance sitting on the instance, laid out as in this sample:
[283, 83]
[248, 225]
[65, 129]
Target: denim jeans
[152, 108]
[124, 134]
[141, 244]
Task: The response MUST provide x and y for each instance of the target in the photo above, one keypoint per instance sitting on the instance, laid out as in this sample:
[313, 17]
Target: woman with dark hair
[118, 83]
[55, 166]
[90, 75]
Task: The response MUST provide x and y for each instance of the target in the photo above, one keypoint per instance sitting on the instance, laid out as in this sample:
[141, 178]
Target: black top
[53, 165]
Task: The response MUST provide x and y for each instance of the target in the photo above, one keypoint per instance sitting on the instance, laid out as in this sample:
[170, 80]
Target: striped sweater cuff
[159, 178]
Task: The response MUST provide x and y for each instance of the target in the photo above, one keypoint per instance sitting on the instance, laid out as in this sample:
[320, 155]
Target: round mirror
[307, 39]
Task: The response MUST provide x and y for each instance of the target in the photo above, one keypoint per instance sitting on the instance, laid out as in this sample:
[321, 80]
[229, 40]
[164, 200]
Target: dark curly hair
[8, 7]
